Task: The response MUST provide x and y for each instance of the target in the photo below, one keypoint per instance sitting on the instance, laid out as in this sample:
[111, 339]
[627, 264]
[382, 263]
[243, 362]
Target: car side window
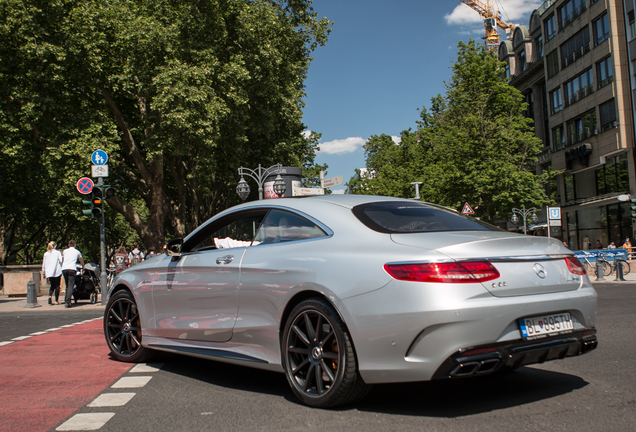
[282, 226]
[237, 230]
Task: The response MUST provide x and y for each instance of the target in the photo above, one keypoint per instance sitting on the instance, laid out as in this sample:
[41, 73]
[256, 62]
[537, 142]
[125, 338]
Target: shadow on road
[445, 399]
[470, 396]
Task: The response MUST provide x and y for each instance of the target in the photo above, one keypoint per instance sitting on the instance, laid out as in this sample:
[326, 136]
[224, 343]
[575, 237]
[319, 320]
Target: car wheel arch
[297, 299]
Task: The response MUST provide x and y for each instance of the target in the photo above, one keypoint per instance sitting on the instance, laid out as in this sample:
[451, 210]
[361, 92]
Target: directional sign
[467, 210]
[85, 185]
[333, 181]
[99, 157]
[299, 191]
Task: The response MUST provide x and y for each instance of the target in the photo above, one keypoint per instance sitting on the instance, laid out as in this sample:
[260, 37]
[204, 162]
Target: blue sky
[384, 60]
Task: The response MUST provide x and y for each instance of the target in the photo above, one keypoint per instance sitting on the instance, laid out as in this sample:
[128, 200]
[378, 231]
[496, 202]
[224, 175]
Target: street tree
[474, 145]
[179, 94]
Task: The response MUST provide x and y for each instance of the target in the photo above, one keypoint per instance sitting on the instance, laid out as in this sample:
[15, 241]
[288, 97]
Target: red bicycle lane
[46, 378]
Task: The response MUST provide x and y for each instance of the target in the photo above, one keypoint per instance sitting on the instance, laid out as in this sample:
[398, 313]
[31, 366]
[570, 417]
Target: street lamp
[259, 175]
[524, 213]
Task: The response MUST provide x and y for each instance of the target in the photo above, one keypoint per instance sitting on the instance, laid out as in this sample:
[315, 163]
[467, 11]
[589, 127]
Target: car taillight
[451, 272]
[575, 266]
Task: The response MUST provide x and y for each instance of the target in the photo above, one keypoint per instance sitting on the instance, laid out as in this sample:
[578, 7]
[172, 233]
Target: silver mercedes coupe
[339, 292]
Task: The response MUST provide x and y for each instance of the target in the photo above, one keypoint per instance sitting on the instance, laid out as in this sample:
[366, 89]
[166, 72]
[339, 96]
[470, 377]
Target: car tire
[319, 358]
[122, 329]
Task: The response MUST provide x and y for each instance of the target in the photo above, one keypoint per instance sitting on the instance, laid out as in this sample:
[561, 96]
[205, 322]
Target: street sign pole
[103, 279]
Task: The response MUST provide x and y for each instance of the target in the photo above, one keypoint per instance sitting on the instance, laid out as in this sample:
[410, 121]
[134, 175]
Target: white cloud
[342, 146]
[396, 139]
[516, 11]
[306, 133]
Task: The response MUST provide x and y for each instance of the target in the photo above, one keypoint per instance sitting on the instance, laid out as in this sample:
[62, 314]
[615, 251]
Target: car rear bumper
[482, 360]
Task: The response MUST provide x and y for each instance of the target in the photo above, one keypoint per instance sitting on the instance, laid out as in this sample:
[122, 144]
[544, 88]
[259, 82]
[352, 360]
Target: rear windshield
[416, 217]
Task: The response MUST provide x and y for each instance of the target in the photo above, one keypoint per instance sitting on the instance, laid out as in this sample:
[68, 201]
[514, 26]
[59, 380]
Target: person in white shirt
[71, 257]
[52, 270]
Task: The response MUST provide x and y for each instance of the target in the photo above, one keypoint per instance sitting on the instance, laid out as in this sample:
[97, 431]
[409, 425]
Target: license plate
[546, 325]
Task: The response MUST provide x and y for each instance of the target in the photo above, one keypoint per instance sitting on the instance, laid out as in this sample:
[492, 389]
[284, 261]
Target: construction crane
[492, 20]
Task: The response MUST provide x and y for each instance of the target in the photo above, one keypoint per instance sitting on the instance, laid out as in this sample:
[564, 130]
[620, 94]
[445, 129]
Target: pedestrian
[135, 256]
[121, 259]
[628, 246]
[611, 246]
[599, 245]
[52, 270]
[151, 252]
[69, 269]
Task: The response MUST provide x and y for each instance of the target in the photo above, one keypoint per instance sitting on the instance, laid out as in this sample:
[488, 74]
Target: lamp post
[524, 213]
[259, 175]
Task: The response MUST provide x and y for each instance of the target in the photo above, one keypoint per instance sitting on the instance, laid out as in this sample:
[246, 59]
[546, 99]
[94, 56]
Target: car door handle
[225, 259]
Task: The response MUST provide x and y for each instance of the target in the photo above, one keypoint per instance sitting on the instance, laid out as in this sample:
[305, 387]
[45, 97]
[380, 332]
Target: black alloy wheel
[122, 328]
[318, 357]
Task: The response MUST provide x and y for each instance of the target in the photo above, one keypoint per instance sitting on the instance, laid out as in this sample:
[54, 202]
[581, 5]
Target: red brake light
[451, 272]
[575, 266]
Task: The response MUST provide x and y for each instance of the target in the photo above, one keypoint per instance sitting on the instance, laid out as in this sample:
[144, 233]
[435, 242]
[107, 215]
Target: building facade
[572, 64]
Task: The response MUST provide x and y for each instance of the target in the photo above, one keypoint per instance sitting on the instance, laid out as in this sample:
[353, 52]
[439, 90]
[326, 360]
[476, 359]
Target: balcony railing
[575, 55]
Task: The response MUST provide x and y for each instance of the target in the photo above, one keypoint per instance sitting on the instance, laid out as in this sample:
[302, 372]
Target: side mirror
[173, 247]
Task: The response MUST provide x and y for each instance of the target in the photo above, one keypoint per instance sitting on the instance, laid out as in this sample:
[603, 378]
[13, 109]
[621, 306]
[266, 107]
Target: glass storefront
[609, 223]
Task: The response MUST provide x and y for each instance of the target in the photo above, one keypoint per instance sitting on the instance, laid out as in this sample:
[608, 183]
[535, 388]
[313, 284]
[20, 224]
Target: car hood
[528, 265]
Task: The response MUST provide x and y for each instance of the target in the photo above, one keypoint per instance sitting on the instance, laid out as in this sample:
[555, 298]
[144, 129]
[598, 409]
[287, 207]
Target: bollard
[32, 297]
[619, 270]
[599, 271]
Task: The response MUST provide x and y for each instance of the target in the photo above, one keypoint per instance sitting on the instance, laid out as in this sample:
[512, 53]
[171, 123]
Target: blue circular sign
[99, 157]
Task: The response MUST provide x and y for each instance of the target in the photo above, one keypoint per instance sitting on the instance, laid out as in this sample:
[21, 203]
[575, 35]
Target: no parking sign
[85, 185]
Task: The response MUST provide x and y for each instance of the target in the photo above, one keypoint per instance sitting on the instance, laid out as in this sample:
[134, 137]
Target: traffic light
[633, 207]
[89, 202]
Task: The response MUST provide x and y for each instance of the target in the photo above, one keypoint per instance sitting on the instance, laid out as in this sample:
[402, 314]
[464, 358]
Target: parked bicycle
[607, 267]
[624, 264]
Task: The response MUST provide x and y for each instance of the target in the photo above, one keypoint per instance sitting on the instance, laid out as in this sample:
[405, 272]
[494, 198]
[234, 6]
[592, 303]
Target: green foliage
[179, 94]
[474, 145]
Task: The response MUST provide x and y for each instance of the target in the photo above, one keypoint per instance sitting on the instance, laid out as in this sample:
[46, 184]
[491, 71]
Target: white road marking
[132, 382]
[6, 343]
[146, 367]
[19, 338]
[53, 329]
[82, 422]
[37, 333]
[111, 400]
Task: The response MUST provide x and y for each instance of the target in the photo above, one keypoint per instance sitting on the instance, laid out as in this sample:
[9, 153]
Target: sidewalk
[16, 304]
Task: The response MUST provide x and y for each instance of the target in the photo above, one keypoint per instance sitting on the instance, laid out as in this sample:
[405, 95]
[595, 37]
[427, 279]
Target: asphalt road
[594, 392]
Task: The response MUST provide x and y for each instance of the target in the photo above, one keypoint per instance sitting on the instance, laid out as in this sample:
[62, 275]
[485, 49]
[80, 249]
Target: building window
[507, 70]
[539, 45]
[582, 127]
[569, 11]
[529, 99]
[575, 47]
[553, 63]
[556, 104]
[549, 27]
[558, 138]
[522, 61]
[579, 87]
[604, 73]
[607, 113]
[632, 25]
[601, 30]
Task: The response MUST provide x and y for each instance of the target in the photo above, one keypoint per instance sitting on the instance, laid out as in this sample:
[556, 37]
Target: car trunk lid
[528, 265]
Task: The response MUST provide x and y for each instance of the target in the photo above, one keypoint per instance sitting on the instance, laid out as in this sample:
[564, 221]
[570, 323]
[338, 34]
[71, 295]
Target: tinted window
[401, 217]
[282, 226]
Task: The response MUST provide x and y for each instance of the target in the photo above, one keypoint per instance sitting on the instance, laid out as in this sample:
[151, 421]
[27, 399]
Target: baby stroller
[87, 283]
